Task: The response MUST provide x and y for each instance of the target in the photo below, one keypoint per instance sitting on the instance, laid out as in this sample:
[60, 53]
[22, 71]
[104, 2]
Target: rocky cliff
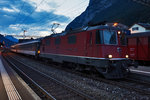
[126, 12]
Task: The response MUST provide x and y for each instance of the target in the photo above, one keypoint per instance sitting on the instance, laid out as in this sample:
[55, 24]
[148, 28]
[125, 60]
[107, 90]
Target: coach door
[142, 48]
[132, 48]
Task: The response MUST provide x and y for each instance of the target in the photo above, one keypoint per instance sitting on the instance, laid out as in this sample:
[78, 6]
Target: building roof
[145, 25]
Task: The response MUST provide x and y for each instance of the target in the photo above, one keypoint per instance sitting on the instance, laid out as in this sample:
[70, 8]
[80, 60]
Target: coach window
[47, 42]
[99, 37]
[72, 39]
[57, 41]
[110, 37]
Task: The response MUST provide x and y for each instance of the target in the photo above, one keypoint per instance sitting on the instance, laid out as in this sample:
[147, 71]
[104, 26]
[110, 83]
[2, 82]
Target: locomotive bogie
[109, 68]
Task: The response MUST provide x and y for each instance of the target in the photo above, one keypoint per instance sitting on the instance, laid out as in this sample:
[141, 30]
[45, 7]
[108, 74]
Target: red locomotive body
[85, 44]
[100, 47]
[96, 48]
[139, 46]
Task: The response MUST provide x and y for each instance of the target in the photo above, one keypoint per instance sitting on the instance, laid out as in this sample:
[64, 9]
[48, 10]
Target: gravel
[98, 89]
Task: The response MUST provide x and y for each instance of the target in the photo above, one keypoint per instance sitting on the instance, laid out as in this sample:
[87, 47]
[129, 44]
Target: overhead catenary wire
[105, 17]
[17, 16]
[76, 7]
[67, 10]
[31, 13]
[54, 18]
[34, 11]
[19, 12]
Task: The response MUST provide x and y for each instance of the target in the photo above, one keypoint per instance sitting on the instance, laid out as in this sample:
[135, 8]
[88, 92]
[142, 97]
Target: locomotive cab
[109, 44]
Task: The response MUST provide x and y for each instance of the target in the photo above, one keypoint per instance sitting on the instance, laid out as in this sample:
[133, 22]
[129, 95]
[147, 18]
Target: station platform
[12, 87]
[145, 70]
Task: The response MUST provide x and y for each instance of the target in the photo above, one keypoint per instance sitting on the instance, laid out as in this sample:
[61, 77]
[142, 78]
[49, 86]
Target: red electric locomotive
[139, 46]
[102, 48]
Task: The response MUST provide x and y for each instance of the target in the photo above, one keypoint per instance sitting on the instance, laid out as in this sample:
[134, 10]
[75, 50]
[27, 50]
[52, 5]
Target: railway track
[50, 88]
[128, 83]
[135, 85]
[131, 83]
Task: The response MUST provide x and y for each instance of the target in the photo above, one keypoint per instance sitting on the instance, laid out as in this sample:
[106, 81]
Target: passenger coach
[28, 48]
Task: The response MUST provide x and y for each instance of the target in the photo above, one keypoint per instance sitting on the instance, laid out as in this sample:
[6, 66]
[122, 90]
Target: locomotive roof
[30, 42]
[104, 27]
[88, 28]
[139, 34]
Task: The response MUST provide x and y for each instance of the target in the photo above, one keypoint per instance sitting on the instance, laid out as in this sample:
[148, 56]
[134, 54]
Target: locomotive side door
[94, 43]
[89, 44]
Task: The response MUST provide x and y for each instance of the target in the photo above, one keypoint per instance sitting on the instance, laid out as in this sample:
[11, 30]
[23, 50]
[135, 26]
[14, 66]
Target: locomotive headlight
[109, 56]
[127, 56]
[119, 32]
[38, 51]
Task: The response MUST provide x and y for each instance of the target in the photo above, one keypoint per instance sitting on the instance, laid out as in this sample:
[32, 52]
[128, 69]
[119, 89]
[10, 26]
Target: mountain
[126, 12]
[11, 38]
[6, 41]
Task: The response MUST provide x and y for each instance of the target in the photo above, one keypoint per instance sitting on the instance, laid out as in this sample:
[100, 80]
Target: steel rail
[48, 96]
[119, 83]
[85, 96]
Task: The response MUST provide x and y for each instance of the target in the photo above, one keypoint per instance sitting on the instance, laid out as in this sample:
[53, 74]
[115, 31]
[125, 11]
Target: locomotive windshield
[110, 37]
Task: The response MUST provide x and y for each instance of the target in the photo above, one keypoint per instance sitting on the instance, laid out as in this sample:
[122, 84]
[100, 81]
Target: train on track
[98, 48]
